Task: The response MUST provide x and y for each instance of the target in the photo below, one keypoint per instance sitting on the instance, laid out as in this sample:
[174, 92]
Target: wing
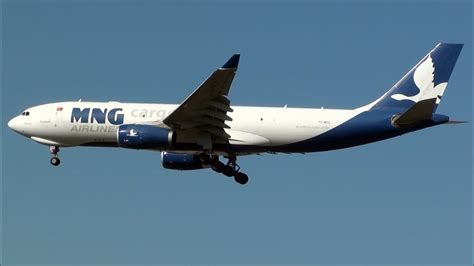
[205, 110]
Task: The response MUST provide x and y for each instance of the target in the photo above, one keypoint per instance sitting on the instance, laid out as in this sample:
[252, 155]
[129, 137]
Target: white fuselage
[55, 124]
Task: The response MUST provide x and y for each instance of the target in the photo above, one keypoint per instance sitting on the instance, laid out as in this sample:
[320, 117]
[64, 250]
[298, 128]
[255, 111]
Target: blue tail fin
[426, 80]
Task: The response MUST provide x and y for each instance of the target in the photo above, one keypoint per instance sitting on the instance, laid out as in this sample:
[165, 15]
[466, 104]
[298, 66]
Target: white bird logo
[132, 133]
[424, 80]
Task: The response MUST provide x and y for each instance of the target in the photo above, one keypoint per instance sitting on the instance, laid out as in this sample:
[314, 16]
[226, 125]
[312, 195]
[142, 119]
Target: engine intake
[135, 136]
[180, 161]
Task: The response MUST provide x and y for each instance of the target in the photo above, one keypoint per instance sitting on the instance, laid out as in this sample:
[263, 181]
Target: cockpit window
[25, 113]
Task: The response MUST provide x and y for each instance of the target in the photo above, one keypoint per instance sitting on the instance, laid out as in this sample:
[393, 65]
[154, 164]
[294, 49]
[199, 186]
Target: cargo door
[46, 114]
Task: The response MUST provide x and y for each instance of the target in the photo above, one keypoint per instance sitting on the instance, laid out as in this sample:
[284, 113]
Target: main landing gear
[229, 169]
[55, 159]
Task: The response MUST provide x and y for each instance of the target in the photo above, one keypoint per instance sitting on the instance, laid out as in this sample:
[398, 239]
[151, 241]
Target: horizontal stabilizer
[421, 111]
[456, 122]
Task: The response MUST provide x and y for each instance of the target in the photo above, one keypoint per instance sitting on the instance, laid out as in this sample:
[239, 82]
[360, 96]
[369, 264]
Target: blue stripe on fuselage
[364, 128]
[367, 127]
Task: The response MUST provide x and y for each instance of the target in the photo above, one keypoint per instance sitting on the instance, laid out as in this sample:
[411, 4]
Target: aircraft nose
[12, 124]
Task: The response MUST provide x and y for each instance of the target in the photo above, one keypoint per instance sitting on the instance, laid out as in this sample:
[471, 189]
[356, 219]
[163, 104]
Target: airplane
[204, 128]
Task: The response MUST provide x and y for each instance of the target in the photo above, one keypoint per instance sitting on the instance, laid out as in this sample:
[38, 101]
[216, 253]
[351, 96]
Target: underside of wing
[205, 111]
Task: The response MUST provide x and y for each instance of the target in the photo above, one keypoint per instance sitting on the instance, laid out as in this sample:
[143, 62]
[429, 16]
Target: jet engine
[180, 161]
[135, 136]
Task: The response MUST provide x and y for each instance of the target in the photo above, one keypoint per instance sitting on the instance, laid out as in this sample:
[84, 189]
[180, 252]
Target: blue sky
[402, 201]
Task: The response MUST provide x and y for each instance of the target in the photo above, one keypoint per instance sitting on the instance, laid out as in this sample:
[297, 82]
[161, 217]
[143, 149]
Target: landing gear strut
[55, 159]
[229, 169]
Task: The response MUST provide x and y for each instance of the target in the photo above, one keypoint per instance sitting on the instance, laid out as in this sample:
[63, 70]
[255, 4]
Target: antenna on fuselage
[80, 100]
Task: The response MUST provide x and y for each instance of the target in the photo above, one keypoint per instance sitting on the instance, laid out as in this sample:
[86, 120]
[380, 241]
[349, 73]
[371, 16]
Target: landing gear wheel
[241, 178]
[55, 161]
[205, 158]
[217, 166]
[54, 151]
[228, 170]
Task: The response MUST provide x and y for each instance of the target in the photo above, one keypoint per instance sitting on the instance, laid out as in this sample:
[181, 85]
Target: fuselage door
[46, 114]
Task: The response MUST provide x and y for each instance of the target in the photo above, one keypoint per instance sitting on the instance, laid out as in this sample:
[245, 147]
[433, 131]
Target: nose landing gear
[55, 159]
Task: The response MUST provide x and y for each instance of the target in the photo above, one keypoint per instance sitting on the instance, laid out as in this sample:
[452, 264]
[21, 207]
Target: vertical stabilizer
[426, 80]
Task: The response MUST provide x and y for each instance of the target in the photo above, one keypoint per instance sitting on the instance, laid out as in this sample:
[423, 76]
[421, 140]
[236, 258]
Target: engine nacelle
[135, 136]
[180, 161]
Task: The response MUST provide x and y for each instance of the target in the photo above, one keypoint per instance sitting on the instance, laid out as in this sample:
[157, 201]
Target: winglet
[233, 62]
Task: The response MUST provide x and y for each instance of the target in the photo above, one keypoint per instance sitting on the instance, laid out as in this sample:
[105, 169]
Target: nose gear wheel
[55, 159]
